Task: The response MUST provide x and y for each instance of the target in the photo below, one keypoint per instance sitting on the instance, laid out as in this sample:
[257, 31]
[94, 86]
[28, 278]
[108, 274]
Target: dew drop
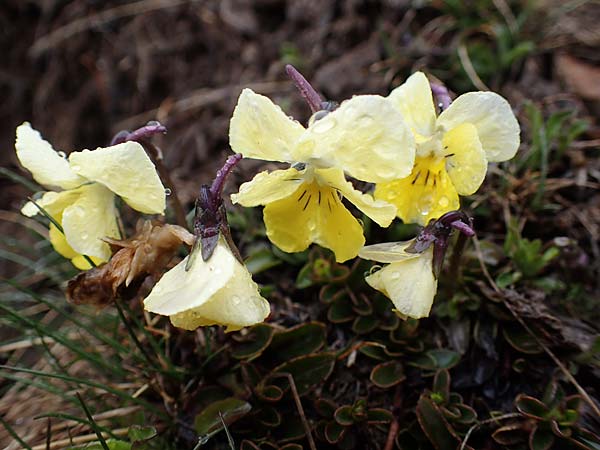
[84, 236]
[62, 154]
[236, 300]
[167, 191]
[443, 201]
[78, 211]
[323, 126]
[364, 121]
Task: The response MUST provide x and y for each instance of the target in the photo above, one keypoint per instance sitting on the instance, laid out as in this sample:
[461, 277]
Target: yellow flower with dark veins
[365, 137]
[408, 280]
[219, 291]
[86, 183]
[453, 150]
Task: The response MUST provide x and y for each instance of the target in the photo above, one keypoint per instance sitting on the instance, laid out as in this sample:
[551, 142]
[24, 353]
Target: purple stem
[216, 188]
[148, 130]
[463, 228]
[441, 94]
[306, 90]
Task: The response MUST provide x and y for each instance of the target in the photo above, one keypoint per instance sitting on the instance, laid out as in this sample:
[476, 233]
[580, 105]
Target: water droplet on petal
[62, 154]
[323, 126]
[167, 191]
[84, 236]
[365, 121]
[443, 201]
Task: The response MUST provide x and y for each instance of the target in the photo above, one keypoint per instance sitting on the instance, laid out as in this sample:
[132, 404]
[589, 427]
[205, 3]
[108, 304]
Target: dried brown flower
[146, 253]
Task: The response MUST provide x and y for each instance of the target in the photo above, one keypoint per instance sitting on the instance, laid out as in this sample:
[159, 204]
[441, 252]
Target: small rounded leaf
[388, 374]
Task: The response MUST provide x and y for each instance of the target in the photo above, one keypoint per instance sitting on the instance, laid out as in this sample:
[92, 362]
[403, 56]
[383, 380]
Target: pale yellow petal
[466, 163]
[60, 244]
[497, 126]
[426, 194]
[52, 202]
[387, 252]
[267, 187]
[415, 101]
[237, 305]
[313, 214]
[217, 291]
[126, 170]
[62, 247]
[379, 211]
[366, 136]
[260, 129]
[410, 284]
[90, 218]
[45, 164]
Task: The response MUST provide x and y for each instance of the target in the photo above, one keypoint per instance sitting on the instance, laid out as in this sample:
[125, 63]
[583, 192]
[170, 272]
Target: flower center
[313, 193]
[428, 171]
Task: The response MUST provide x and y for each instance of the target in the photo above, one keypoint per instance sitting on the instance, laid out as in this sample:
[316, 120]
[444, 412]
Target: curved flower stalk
[83, 189]
[410, 278]
[365, 137]
[216, 288]
[453, 150]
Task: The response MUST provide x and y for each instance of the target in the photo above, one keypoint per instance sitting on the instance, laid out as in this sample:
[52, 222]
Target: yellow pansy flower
[453, 150]
[365, 137]
[408, 280]
[84, 188]
[219, 291]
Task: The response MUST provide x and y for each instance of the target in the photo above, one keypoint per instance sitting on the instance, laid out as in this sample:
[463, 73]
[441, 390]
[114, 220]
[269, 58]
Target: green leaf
[379, 415]
[509, 435]
[466, 414]
[521, 340]
[334, 432]
[325, 407]
[300, 340]
[388, 374]
[269, 416]
[113, 444]
[441, 384]
[340, 311]
[437, 359]
[261, 260]
[308, 371]
[374, 350]
[343, 415]
[138, 433]
[269, 392]
[364, 324]
[531, 407]
[435, 427]
[208, 422]
[541, 438]
[254, 343]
